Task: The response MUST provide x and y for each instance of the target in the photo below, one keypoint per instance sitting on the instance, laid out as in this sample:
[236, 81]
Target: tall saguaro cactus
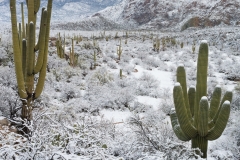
[25, 50]
[194, 118]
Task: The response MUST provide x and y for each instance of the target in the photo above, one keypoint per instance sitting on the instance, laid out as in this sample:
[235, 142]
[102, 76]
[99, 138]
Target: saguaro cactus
[26, 64]
[60, 46]
[193, 118]
[119, 50]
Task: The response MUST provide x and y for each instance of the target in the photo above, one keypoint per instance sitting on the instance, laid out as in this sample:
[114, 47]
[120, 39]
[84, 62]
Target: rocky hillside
[151, 14]
[162, 14]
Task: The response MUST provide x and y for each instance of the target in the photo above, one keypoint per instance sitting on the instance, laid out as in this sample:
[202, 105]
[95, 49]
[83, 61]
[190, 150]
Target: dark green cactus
[120, 74]
[193, 118]
[24, 49]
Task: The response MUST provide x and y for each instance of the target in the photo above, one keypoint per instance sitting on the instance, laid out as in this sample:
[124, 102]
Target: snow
[93, 107]
[115, 116]
[204, 98]
[204, 41]
[154, 102]
[227, 103]
[177, 84]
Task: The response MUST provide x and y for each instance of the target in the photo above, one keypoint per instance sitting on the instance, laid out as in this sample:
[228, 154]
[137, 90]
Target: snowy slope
[153, 14]
[66, 10]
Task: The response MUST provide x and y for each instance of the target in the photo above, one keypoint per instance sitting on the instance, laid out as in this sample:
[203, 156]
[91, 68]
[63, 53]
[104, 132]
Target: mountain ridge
[63, 10]
[138, 14]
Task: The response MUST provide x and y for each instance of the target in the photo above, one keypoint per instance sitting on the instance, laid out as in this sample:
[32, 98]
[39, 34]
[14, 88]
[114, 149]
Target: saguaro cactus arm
[227, 97]
[181, 78]
[176, 127]
[30, 49]
[215, 101]
[191, 98]
[203, 117]
[36, 48]
[221, 122]
[42, 73]
[41, 42]
[23, 23]
[181, 111]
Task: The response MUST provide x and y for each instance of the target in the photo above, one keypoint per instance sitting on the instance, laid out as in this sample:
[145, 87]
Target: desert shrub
[155, 137]
[151, 61]
[117, 94]
[235, 105]
[7, 78]
[232, 71]
[165, 57]
[137, 61]
[100, 76]
[147, 85]
[9, 101]
[53, 137]
[112, 64]
[128, 69]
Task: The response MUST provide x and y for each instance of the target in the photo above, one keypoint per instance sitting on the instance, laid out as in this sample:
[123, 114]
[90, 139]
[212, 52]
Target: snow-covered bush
[128, 69]
[165, 57]
[155, 137]
[147, 85]
[151, 62]
[137, 61]
[235, 105]
[7, 77]
[9, 102]
[55, 138]
[100, 76]
[138, 107]
[112, 65]
[115, 94]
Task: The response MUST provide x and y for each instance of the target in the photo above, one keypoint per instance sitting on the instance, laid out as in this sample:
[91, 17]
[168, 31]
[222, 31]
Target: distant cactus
[24, 49]
[107, 37]
[116, 35]
[194, 118]
[95, 59]
[156, 45]
[173, 42]
[120, 74]
[72, 56]
[60, 46]
[119, 50]
[163, 44]
[181, 45]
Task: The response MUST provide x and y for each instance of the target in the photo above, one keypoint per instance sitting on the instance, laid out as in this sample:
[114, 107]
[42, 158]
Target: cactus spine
[24, 53]
[194, 119]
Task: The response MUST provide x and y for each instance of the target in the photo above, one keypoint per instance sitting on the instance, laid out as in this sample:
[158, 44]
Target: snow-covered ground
[95, 114]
